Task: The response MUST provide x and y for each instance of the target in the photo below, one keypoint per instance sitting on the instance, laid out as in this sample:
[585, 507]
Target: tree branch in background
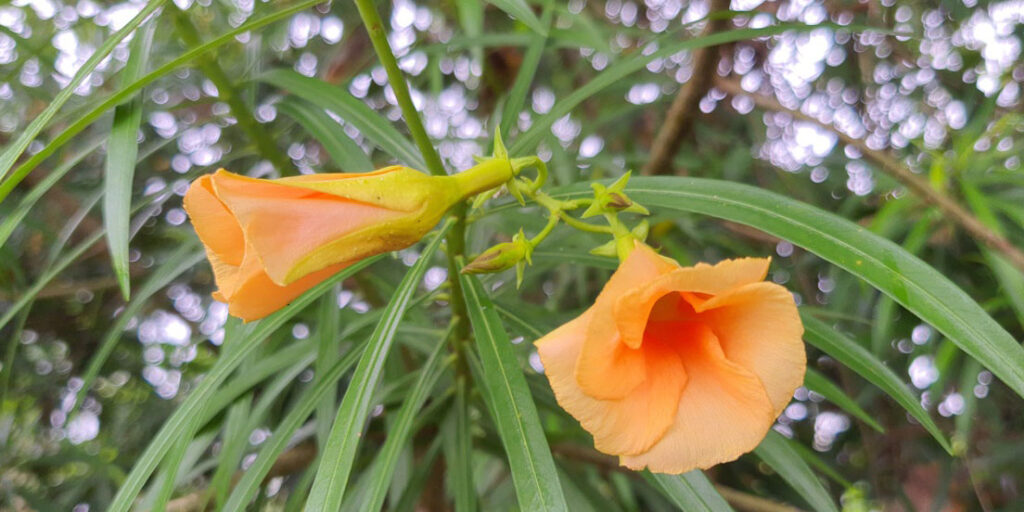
[898, 171]
[685, 107]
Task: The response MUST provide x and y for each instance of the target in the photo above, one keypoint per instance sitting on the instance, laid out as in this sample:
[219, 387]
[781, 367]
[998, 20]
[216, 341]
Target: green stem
[379, 38]
[552, 222]
[457, 236]
[485, 176]
[624, 239]
[583, 226]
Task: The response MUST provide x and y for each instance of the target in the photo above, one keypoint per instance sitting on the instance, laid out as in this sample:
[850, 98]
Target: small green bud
[498, 258]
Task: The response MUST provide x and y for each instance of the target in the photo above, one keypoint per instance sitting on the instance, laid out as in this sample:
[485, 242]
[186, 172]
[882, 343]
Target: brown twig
[898, 171]
[684, 110]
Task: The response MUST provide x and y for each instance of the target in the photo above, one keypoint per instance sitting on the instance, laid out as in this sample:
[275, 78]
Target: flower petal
[286, 225]
[216, 227]
[630, 425]
[635, 302]
[253, 295]
[606, 368]
[723, 413]
[760, 330]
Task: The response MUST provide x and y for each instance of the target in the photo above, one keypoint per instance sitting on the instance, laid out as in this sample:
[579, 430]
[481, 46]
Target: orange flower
[270, 240]
[678, 368]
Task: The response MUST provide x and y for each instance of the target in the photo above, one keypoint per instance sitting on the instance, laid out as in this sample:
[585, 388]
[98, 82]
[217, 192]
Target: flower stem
[379, 38]
[482, 177]
[456, 240]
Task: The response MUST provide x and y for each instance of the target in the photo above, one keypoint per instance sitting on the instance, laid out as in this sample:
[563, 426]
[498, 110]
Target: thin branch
[685, 107]
[898, 171]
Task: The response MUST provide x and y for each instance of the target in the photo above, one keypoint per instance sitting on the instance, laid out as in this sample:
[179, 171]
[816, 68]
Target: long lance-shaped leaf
[817, 382]
[340, 451]
[690, 491]
[182, 259]
[776, 452]
[127, 92]
[189, 413]
[858, 359]
[347, 155]
[911, 282]
[326, 381]
[352, 110]
[515, 415]
[122, 149]
[384, 467]
[11, 154]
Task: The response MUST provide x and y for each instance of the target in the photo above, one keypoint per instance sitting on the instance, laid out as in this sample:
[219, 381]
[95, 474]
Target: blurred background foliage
[913, 130]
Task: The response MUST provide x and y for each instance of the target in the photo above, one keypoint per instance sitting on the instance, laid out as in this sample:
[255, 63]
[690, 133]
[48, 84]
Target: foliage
[873, 148]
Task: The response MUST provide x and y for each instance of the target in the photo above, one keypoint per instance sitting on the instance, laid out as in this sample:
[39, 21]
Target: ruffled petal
[216, 227]
[606, 368]
[723, 413]
[760, 329]
[286, 225]
[253, 295]
[635, 301]
[630, 425]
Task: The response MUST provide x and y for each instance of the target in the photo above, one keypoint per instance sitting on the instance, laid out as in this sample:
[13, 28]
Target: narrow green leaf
[885, 309]
[234, 441]
[340, 451]
[689, 491]
[818, 383]
[812, 458]
[515, 415]
[182, 259]
[189, 412]
[368, 121]
[11, 154]
[776, 452]
[398, 435]
[272, 448]
[524, 78]
[858, 359]
[519, 10]
[126, 93]
[122, 150]
[56, 266]
[347, 155]
[13, 219]
[458, 450]
[327, 353]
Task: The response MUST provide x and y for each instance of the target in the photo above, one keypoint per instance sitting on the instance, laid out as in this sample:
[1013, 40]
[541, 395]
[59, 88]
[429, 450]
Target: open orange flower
[270, 240]
[678, 368]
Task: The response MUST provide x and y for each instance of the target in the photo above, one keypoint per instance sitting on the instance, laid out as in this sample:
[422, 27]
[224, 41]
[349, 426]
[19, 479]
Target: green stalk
[456, 240]
[227, 93]
[379, 38]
